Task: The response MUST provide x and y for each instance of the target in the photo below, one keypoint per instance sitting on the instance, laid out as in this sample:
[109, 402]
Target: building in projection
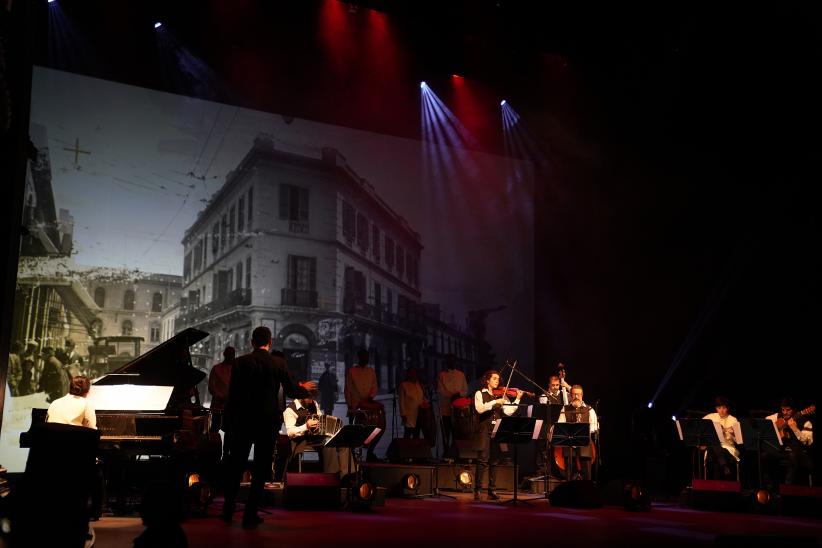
[134, 307]
[50, 305]
[304, 246]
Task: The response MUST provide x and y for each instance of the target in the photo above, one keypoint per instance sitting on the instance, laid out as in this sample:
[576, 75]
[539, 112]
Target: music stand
[755, 433]
[516, 430]
[551, 412]
[697, 433]
[353, 436]
[573, 435]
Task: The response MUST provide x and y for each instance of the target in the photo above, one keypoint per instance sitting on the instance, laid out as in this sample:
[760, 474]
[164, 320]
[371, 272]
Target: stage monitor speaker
[408, 450]
[464, 450]
[576, 494]
[390, 476]
[715, 495]
[312, 490]
[800, 500]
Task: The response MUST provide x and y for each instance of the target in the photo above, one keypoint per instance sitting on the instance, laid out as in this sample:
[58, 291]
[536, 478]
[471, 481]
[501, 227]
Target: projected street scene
[148, 213]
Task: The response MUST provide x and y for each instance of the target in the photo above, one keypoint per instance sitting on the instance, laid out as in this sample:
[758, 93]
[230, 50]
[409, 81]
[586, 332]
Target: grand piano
[151, 423]
[150, 405]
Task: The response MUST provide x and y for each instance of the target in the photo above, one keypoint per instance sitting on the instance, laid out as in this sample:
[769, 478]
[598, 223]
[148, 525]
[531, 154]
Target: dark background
[677, 193]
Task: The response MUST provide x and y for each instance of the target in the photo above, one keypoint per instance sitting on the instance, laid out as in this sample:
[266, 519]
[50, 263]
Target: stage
[435, 522]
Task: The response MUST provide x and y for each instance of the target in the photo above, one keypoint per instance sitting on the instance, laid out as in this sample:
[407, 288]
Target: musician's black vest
[577, 414]
[485, 418]
[303, 412]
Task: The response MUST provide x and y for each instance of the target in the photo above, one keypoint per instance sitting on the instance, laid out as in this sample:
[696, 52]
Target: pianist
[74, 408]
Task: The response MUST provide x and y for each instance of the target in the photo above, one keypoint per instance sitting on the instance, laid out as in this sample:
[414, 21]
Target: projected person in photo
[329, 388]
[54, 380]
[490, 406]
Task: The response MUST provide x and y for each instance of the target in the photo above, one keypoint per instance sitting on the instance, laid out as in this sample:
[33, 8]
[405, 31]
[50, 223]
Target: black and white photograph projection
[148, 213]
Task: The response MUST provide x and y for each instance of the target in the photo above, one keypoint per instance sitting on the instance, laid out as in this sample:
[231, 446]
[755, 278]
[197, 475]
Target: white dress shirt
[592, 418]
[71, 409]
[290, 420]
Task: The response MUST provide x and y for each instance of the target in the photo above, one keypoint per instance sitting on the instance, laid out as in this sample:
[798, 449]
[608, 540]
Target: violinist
[794, 459]
[579, 411]
[490, 407]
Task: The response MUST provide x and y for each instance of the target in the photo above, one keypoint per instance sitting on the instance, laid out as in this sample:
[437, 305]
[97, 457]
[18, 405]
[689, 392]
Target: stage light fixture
[52, 1]
[502, 103]
[465, 480]
[650, 405]
[673, 418]
[423, 85]
[635, 498]
[410, 484]
[365, 491]
[763, 497]
[193, 479]
[157, 25]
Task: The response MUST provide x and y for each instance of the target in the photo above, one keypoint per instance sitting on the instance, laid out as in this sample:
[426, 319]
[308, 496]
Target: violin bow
[510, 376]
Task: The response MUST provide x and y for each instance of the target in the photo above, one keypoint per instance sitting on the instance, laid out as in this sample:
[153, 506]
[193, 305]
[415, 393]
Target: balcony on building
[298, 297]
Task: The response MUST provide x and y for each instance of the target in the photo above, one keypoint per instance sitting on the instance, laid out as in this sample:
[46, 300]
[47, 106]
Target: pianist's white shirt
[71, 409]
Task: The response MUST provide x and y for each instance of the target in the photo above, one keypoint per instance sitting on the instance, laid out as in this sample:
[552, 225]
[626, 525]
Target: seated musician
[793, 462]
[412, 399]
[360, 389]
[302, 418]
[579, 411]
[723, 459]
[74, 408]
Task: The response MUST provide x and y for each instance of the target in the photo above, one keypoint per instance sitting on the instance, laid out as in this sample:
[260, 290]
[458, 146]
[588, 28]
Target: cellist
[579, 411]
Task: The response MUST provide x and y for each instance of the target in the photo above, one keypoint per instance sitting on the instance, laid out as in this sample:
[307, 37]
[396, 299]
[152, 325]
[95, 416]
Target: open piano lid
[167, 364]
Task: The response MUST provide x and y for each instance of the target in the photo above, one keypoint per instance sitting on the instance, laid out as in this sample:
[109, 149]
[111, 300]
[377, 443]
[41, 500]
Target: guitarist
[796, 432]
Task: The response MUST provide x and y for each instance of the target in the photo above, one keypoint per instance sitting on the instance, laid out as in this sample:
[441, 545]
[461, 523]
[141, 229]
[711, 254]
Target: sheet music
[537, 429]
[372, 436]
[738, 434]
[129, 397]
[776, 433]
[720, 435]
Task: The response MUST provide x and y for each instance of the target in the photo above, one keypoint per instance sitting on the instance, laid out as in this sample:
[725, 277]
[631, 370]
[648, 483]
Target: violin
[511, 392]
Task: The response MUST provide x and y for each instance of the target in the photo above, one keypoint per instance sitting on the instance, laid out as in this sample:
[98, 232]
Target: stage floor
[434, 522]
